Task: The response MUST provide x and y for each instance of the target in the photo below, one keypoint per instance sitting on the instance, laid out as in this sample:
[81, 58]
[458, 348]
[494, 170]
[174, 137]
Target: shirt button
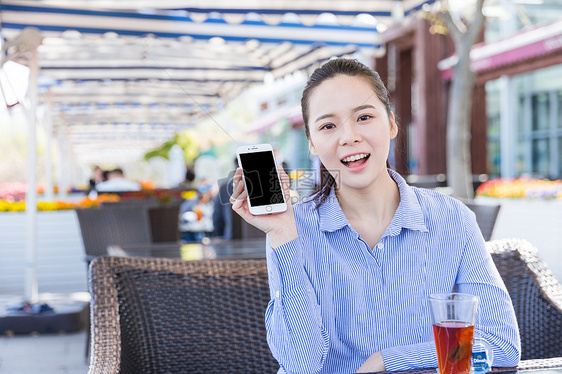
[380, 246]
[277, 294]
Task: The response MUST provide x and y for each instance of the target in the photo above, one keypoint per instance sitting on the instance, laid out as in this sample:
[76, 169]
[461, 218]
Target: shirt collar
[409, 214]
[330, 213]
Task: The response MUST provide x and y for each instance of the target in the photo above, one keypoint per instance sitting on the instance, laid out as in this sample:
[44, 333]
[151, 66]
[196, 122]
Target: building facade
[517, 99]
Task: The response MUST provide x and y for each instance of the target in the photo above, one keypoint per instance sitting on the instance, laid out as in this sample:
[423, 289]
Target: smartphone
[261, 179]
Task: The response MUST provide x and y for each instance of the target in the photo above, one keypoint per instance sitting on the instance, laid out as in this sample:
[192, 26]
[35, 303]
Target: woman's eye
[365, 117]
[327, 126]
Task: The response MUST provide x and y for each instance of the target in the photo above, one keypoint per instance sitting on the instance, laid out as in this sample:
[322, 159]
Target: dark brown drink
[453, 340]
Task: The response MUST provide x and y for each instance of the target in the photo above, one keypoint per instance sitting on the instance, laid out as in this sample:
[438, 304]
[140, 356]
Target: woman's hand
[374, 363]
[280, 227]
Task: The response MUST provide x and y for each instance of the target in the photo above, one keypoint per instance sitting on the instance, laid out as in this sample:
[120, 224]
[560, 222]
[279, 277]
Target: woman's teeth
[355, 157]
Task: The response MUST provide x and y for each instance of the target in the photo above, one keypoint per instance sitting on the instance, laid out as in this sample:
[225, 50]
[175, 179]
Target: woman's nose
[349, 134]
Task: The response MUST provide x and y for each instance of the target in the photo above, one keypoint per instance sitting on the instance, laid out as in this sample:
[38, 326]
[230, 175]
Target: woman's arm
[295, 333]
[496, 322]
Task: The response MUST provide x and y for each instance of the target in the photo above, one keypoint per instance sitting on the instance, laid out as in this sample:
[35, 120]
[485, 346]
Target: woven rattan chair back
[128, 203]
[103, 227]
[536, 296]
[486, 216]
[163, 219]
[153, 315]
[164, 222]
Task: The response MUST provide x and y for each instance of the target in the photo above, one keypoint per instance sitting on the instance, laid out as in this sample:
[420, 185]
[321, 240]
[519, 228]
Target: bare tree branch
[477, 23]
[455, 26]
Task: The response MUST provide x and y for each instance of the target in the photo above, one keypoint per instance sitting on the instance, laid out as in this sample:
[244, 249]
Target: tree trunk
[459, 163]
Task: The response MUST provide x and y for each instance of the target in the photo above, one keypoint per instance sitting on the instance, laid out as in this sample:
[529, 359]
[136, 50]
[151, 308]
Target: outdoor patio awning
[121, 77]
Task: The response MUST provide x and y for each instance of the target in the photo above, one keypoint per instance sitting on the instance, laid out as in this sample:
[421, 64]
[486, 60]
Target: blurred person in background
[196, 212]
[105, 173]
[189, 181]
[117, 182]
[97, 177]
[222, 208]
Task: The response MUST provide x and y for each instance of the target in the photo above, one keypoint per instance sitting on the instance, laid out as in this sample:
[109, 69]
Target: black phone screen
[261, 178]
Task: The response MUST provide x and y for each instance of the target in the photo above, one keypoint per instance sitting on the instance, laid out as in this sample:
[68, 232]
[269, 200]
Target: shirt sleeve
[414, 356]
[495, 320]
[295, 333]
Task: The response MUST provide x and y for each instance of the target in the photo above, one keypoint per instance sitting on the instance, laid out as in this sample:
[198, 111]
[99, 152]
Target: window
[540, 157]
[559, 109]
[493, 129]
[541, 107]
[535, 146]
[559, 156]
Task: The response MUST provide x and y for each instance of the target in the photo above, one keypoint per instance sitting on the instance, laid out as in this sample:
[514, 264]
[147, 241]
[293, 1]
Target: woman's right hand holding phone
[280, 227]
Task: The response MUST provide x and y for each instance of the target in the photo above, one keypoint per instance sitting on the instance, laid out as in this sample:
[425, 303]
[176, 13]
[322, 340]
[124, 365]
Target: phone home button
[268, 208]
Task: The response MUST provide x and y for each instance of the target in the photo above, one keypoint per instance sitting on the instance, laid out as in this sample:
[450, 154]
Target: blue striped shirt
[334, 301]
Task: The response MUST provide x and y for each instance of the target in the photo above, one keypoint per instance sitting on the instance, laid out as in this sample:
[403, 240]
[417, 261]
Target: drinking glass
[454, 317]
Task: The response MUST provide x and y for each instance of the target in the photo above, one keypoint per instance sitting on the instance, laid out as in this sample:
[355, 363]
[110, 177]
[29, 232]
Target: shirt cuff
[422, 355]
[286, 270]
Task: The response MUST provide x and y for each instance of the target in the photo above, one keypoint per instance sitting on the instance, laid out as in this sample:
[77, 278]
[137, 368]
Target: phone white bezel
[261, 209]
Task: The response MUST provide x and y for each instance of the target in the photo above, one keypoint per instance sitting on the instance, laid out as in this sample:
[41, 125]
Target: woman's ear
[393, 126]
[311, 148]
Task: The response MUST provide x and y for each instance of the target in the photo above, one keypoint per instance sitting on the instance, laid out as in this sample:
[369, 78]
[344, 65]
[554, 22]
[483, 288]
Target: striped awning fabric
[132, 73]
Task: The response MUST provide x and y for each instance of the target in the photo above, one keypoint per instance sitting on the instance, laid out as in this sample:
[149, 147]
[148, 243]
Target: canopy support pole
[49, 186]
[63, 163]
[31, 286]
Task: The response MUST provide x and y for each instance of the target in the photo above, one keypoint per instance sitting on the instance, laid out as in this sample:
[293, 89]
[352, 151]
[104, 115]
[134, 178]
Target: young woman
[351, 269]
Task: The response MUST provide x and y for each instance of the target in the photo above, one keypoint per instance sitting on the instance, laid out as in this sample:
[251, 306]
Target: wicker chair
[164, 221]
[486, 216]
[103, 227]
[128, 203]
[153, 315]
[536, 296]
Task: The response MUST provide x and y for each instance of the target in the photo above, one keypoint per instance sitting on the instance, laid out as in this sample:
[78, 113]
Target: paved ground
[45, 354]
[539, 222]
[62, 353]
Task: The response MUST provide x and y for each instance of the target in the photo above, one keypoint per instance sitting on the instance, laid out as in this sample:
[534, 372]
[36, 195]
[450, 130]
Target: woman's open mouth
[355, 160]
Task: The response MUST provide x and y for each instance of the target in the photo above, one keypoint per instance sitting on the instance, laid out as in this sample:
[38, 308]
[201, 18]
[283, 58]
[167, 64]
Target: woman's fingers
[285, 184]
[239, 195]
[237, 178]
[236, 185]
[238, 188]
[240, 200]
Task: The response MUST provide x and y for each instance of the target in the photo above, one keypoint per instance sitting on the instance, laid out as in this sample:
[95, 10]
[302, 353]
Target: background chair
[164, 220]
[120, 225]
[108, 226]
[128, 203]
[486, 216]
[153, 315]
[536, 296]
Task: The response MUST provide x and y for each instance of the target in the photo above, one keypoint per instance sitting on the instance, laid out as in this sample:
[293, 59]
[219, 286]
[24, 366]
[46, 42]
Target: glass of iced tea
[454, 317]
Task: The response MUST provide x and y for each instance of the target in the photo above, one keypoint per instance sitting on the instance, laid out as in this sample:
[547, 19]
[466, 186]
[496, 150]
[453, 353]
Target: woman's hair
[332, 69]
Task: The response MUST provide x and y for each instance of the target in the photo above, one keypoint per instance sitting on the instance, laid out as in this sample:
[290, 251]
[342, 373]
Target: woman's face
[350, 130]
